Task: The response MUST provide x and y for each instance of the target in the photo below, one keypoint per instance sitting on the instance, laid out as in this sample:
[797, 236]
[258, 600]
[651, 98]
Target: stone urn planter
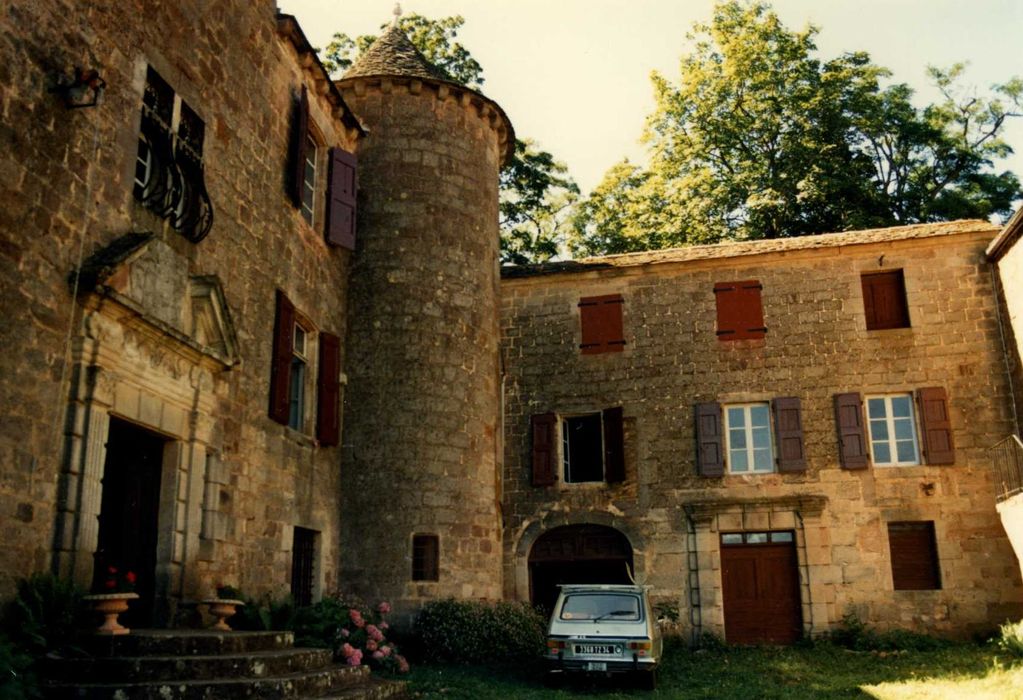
[222, 608]
[110, 605]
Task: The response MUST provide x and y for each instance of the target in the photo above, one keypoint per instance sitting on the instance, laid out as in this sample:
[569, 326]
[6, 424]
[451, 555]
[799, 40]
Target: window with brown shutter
[884, 300]
[544, 449]
[299, 145]
[341, 194]
[425, 558]
[936, 426]
[914, 554]
[788, 430]
[328, 395]
[852, 436]
[740, 310]
[710, 460]
[601, 322]
[280, 364]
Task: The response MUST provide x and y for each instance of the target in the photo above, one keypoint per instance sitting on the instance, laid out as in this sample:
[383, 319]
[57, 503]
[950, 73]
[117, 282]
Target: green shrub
[265, 615]
[17, 677]
[854, 634]
[473, 631]
[1011, 638]
[48, 614]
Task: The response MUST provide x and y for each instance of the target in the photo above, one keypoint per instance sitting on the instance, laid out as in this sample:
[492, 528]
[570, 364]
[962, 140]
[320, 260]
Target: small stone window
[425, 558]
[914, 554]
[601, 322]
[740, 311]
[884, 300]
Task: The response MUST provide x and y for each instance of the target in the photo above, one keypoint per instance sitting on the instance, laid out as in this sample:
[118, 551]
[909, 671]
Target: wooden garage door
[760, 579]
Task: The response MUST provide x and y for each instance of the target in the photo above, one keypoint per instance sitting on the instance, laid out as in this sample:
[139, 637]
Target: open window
[578, 448]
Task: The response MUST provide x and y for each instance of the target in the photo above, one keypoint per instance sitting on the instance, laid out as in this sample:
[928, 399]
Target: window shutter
[884, 300]
[328, 423]
[299, 129]
[601, 321]
[614, 446]
[852, 437]
[544, 452]
[788, 426]
[914, 554]
[709, 444]
[935, 426]
[740, 310]
[341, 199]
[280, 366]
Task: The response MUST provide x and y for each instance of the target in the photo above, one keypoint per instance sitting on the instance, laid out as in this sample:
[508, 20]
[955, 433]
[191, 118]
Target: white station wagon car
[604, 629]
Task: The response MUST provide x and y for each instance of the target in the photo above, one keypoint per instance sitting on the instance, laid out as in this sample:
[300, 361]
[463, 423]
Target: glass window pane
[762, 460]
[756, 537]
[781, 536]
[732, 538]
[903, 429]
[758, 415]
[906, 451]
[761, 437]
[737, 439]
[738, 460]
[736, 418]
[882, 453]
[875, 408]
[901, 406]
[879, 430]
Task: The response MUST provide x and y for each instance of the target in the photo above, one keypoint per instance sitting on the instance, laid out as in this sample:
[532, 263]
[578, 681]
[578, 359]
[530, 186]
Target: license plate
[594, 649]
[596, 666]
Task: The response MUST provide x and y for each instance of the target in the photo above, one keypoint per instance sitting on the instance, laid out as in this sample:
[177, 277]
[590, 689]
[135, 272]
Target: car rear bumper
[584, 665]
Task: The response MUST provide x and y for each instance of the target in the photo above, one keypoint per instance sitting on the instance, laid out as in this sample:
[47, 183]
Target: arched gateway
[577, 554]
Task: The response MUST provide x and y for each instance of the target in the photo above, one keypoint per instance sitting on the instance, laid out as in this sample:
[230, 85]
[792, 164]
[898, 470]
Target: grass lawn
[819, 671]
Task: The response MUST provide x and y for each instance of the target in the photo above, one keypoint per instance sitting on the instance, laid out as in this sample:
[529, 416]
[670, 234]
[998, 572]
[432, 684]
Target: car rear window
[600, 606]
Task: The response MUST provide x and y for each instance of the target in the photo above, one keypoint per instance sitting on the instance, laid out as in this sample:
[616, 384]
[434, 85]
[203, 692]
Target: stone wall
[66, 193]
[816, 346]
[421, 408]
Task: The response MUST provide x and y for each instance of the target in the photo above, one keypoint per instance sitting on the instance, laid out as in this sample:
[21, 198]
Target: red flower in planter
[130, 577]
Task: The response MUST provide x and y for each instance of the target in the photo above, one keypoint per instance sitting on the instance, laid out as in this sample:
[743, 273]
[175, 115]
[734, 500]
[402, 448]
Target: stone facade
[114, 324]
[171, 335]
[816, 346]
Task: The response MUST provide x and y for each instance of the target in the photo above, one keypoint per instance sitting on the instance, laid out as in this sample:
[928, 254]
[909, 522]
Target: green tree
[537, 193]
[760, 138]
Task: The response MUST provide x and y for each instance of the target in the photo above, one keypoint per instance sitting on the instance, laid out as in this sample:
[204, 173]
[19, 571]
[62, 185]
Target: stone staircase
[210, 665]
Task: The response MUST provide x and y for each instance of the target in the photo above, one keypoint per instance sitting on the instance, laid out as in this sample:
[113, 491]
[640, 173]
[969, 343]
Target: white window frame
[563, 442]
[311, 158]
[748, 429]
[890, 423]
[305, 355]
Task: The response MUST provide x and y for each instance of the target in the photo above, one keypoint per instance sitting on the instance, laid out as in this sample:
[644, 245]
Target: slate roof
[733, 250]
[394, 54]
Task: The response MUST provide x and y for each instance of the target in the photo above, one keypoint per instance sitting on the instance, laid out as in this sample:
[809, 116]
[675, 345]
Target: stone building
[771, 434]
[255, 333]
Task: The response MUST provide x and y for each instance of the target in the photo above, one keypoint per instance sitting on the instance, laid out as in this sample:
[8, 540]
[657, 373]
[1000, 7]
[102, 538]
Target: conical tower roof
[394, 54]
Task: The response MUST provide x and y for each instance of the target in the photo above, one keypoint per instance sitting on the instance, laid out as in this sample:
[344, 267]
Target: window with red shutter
[914, 555]
[592, 447]
[280, 365]
[341, 194]
[884, 300]
[544, 449]
[740, 311]
[601, 322]
[328, 395]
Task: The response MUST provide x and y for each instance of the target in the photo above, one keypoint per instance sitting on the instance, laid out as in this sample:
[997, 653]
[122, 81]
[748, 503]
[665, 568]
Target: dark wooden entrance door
[577, 554]
[760, 578]
[128, 514]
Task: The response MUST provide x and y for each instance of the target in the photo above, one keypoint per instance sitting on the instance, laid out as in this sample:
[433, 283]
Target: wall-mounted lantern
[83, 89]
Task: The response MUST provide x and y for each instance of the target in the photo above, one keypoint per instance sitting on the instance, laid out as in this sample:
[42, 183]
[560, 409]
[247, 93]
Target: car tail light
[640, 645]
[555, 644]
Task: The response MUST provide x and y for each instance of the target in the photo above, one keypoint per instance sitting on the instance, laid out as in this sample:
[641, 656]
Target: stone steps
[207, 665]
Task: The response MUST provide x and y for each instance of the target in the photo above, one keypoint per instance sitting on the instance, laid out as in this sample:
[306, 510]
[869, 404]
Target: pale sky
[574, 74]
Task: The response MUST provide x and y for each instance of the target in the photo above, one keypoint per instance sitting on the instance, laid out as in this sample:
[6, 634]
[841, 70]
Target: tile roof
[733, 250]
[394, 54]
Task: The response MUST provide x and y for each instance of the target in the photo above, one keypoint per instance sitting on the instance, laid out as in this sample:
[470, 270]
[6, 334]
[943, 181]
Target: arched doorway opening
[577, 554]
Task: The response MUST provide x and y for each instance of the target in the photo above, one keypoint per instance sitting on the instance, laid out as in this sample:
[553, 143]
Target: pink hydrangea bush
[360, 636]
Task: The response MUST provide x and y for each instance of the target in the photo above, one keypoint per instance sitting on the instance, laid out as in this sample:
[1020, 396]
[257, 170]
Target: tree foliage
[537, 193]
[761, 138]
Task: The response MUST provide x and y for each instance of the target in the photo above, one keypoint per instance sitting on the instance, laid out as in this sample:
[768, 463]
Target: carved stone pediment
[210, 320]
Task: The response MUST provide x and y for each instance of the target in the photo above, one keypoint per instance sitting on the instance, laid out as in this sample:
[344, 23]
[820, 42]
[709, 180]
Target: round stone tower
[420, 513]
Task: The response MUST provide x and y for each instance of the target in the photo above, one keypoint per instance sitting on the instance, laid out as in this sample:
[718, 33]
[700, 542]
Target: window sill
[297, 436]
